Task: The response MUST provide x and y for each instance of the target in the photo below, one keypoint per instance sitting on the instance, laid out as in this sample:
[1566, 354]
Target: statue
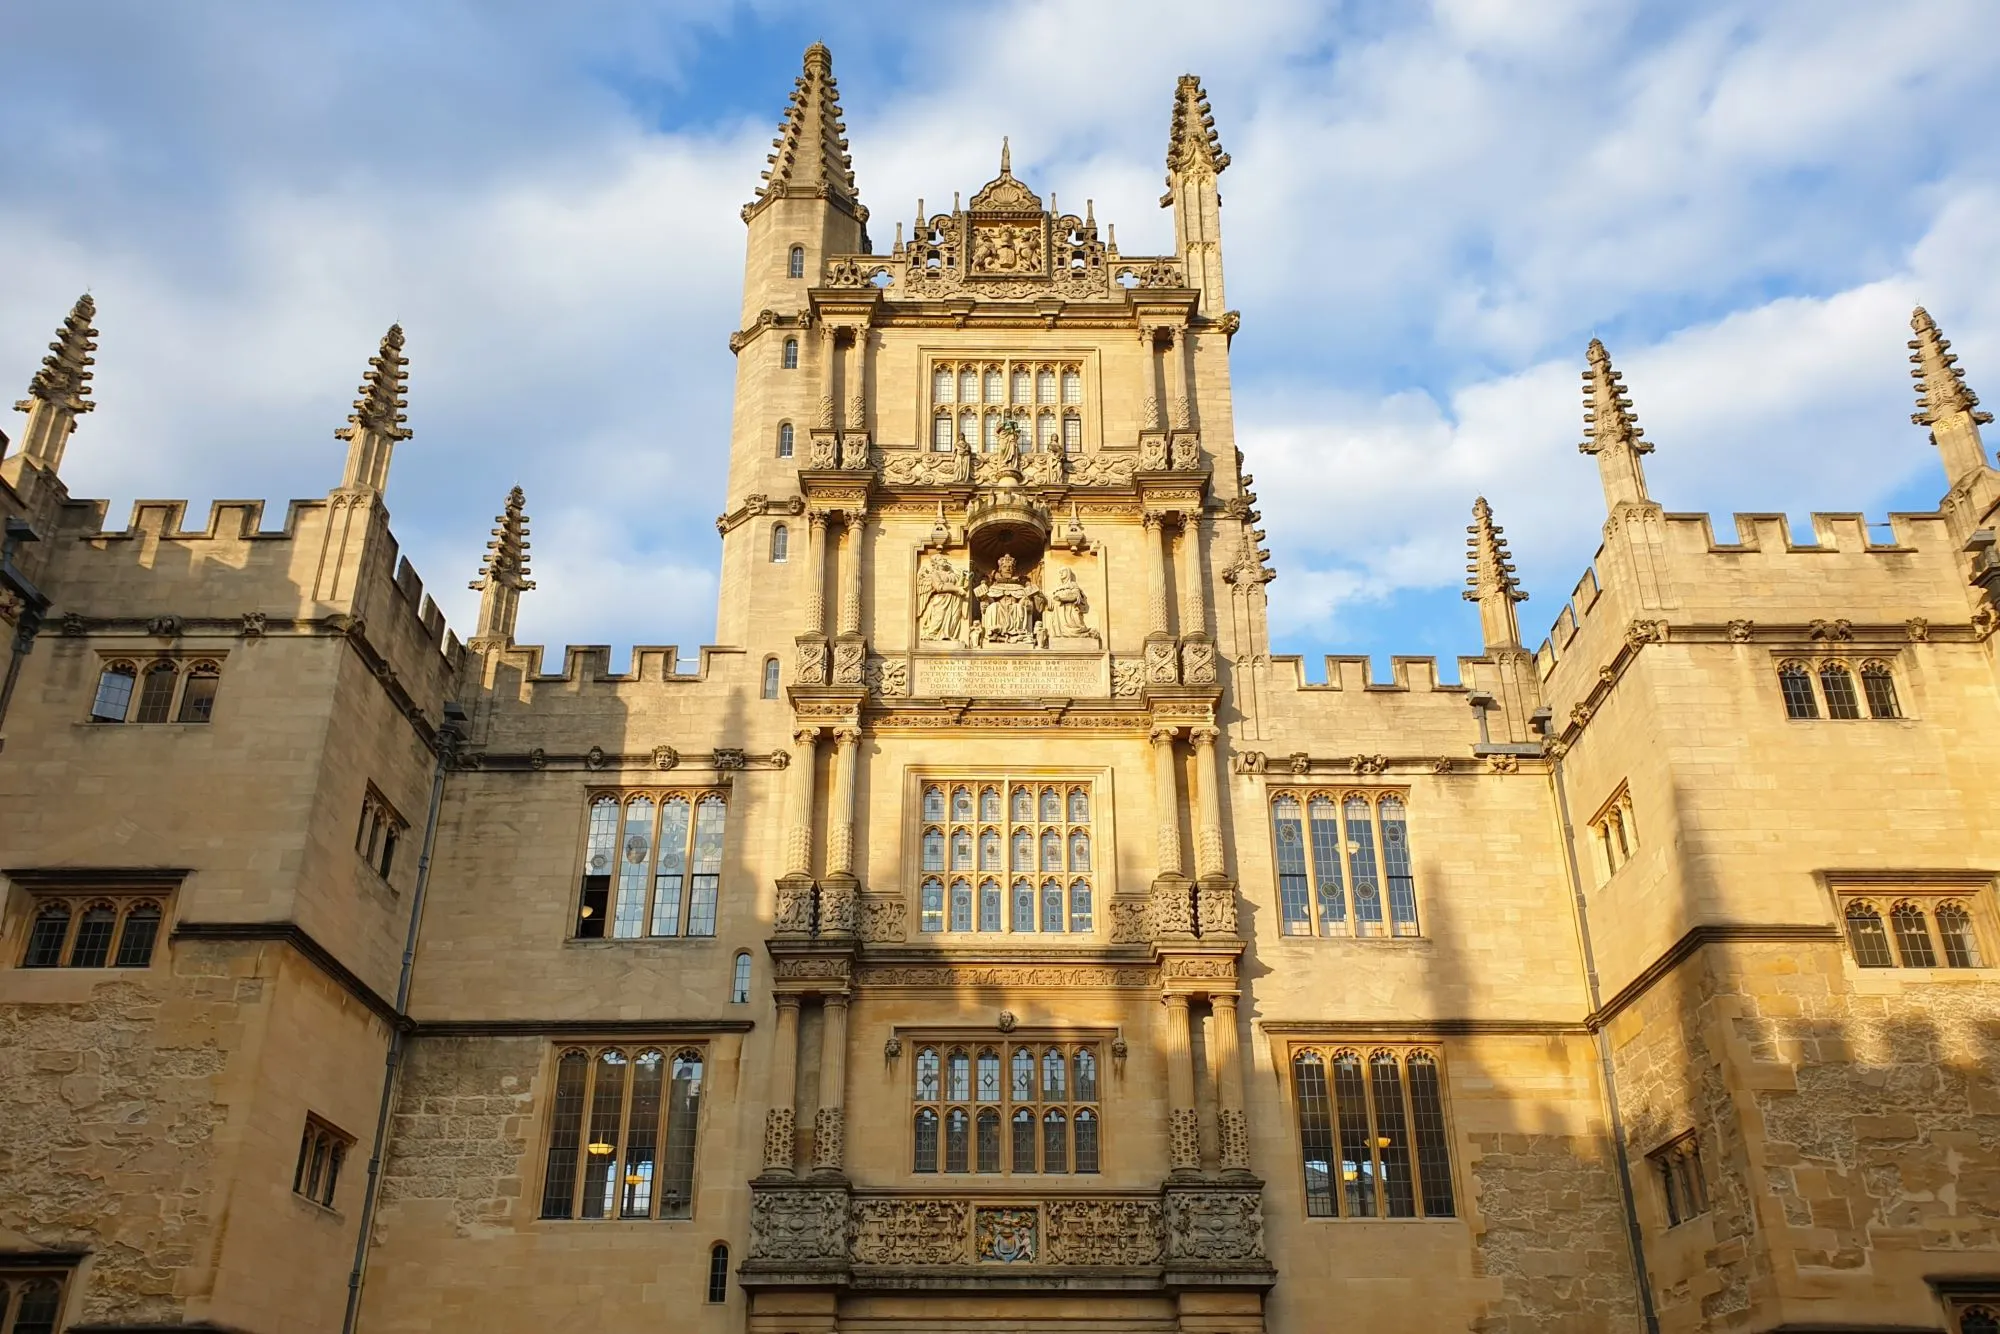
[941, 600]
[1067, 605]
[1010, 608]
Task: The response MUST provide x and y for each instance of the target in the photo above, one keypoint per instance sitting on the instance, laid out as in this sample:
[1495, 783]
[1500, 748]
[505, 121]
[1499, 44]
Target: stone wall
[463, 1119]
[1553, 1234]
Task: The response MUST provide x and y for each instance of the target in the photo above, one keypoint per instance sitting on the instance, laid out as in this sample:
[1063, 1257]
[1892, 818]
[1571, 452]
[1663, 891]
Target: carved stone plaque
[999, 675]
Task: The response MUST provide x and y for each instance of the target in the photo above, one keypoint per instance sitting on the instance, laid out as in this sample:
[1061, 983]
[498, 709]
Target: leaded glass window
[1029, 841]
[117, 930]
[1330, 845]
[1796, 683]
[653, 864]
[1928, 928]
[1837, 683]
[962, 1103]
[622, 1133]
[1372, 1133]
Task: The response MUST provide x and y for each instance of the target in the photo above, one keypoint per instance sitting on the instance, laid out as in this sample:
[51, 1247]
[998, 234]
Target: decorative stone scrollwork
[1153, 273]
[850, 660]
[1215, 910]
[1152, 453]
[1104, 1232]
[829, 1139]
[810, 669]
[850, 272]
[798, 1223]
[1128, 678]
[826, 451]
[781, 1137]
[1161, 667]
[823, 415]
[836, 910]
[1184, 1139]
[1129, 923]
[854, 453]
[908, 468]
[1170, 910]
[1182, 414]
[795, 908]
[911, 1232]
[1104, 470]
[887, 677]
[1214, 1223]
[1233, 1135]
[1186, 454]
[1043, 468]
[1198, 662]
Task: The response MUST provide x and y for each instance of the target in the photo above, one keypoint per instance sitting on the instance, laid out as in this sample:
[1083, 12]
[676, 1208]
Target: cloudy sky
[1432, 208]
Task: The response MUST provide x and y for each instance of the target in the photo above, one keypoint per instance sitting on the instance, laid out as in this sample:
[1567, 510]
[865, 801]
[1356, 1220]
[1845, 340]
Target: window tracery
[95, 929]
[1372, 1132]
[127, 694]
[1048, 1104]
[652, 864]
[379, 833]
[1029, 872]
[1614, 833]
[622, 1130]
[1344, 865]
[31, 1301]
[323, 1150]
[970, 400]
[1683, 1185]
[1941, 929]
[1805, 686]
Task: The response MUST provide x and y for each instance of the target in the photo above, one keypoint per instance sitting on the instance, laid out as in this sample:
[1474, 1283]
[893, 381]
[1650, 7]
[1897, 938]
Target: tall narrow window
[989, 905]
[1294, 912]
[599, 855]
[565, 1134]
[1913, 937]
[1024, 906]
[1045, 387]
[51, 931]
[1072, 387]
[926, 1141]
[198, 695]
[791, 354]
[931, 905]
[114, 693]
[957, 1141]
[941, 434]
[1961, 944]
[1392, 1145]
[781, 544]
[1357, 1157]
[706, 882]
[1072, 434]
[739, 982]
[1838, 685]
[718, 1274]
[1080, 917]
[322, 1153]
[1396, 862]
[142, 927]
[93, 936]
[795, 264]
[1315, 1132]
[628, 914]
[1866, 936]
[787, 440]
[1372, 1134]
[38, 1298]
[156, 693]
[770, 688]
[1678, 1166]
[1361, 864]
[1880, 687]
[1796, 683]
[1326, 865]
[1052, 905]
[961, 905]
[989, 1140]
[941, 385]
[1427, 1120]
[607, 1155]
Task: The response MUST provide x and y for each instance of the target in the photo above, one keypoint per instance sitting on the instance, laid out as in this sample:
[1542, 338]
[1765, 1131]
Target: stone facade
[1545, 1000]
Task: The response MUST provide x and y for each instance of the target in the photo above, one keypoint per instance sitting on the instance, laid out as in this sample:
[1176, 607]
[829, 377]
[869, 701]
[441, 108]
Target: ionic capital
[1164, 736]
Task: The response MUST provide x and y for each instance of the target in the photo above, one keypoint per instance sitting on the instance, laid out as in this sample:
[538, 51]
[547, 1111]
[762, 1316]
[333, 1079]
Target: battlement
[1835, 533]
[1415, 674]
[228, 520]
[590, 664]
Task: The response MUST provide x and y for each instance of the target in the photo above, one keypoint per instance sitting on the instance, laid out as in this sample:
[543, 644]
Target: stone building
[992, 934]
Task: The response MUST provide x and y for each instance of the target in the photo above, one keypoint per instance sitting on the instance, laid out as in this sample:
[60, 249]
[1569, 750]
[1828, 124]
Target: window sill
[317, 1209]
[1396, 1222]
[606, 942]
[624, 1224]
[1952, 975]
[1370, 941]
[109, 725]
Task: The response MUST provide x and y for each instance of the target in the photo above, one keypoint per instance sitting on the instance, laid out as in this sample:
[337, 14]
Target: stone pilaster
[781, 1118]
[1167, 802]
[1232, 1126]
[840, 832]
[829, 1124]
[1183, 1125]
[1208, 862]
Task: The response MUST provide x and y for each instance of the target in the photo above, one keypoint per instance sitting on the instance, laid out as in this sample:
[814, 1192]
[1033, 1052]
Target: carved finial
[1611, 431]
[60, 391]
[1491, 582]
[1006, 159]
[503, 575]
[1192, 143]
[376, 423]
[811, 158]
[1944, 402]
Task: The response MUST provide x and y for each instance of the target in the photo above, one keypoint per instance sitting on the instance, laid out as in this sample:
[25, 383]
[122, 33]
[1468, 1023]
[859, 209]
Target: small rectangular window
[323, 1150]
[379, 832]
[114, 927]
[31, 1300]
[1683, 1187]
[1918, 926]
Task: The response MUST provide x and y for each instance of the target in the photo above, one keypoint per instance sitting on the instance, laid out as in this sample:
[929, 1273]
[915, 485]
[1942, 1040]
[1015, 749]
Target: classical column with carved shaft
[1194, 617]
[1232, 1129]
[1166, 793]
[1208, 804]
[857, 382]
[850, 575]
[840, 812]
[798, 815]
[1156, 575]
[1179, 409]
[781, 1134]
[1183, 1126]
[816, 574]
[830, 1121]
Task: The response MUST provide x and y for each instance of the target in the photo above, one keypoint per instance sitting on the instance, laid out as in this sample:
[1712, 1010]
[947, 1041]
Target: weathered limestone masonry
[993, 934]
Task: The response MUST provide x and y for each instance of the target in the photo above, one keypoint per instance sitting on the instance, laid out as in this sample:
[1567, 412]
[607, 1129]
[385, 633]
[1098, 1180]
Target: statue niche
[1010, 608]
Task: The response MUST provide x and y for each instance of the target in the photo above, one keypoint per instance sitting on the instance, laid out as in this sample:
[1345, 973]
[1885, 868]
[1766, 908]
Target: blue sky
[1431, 209]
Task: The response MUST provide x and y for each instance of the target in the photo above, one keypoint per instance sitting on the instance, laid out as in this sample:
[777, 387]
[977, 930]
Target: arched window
[1972, 1320]
[1880, 687]
[41, 1304]
[94, 929]
[1072, 433]
[934, 803]
[1294, 914]
[929, 1075]
[989, 804]
[994, 387]
[930, 915]
[142, 927]
[989, 850]
[1309, 1087]
[1837, 684]
[770, 687]
[1913, 936]
[114, 692]
[941, 434]
[791, 354]
[961, 803]
[1323, 829]
[739, 982]
[1024, 1140]
[1086, 1140]
[795, 265]
[1024, 804]
[961, 905]
[1055, 1075]
[1357, 1150]
[156, 693]
[787, 440]
[1796, 683]
[958, 1076]
[1052, 850]
[961, 850]
[198, 695]
[1086, 1075]
[957, 1140]
[926, 1141]
[1024, 850]
[1079, 851]
[989, 905]
[45, 942]
[1052, 905]
[941, 385]
[1079, 906]
[781, 544]
[1396, 866]
[1045, 386]
[1024, 906]
[1361, 865]
[968, 386]
[1046, 432]
[1392, 1143]
[1051, 806]
[1433, 1148]
[988, 1087]
[1866, 936]
[1072, 387]
[1021, 382]
[989, 1140]
[1055, 1142]
[933, 850]
[1961, 944]
[1079, 806]
[718, 1274]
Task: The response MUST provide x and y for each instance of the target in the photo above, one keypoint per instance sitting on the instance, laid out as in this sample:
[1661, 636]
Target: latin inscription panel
[991, 675]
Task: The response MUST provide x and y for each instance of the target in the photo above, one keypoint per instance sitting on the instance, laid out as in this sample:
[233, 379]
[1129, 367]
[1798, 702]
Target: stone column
[857, 382]
[830, 1122]
[840, 810]
[816, 574]
[1156, 575]
[850, 575]
[798, 817]
[1166, 794]
[1208, 804]
[1194, 618]
[1179, 409]
[781, 1133]
[1183, 1129]
[1232, 1129]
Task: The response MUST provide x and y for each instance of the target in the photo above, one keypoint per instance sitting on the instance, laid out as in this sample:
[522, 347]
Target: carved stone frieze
[1214, 1223]
[850, 661]
[955, 976]
[1009, 1236]
[1104, 470]
[1833, 631]
[813, 969]
[912, 468]
[911, 1232]
[1128, 678]
[836, 909]
[810, 667]
[1103, 1232]
[1215, 909]
[798, 1223]
[1161, 667]
[795, 908]
[882, 917]
[1170, 910]
[1200, 967]
[1129, 921]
